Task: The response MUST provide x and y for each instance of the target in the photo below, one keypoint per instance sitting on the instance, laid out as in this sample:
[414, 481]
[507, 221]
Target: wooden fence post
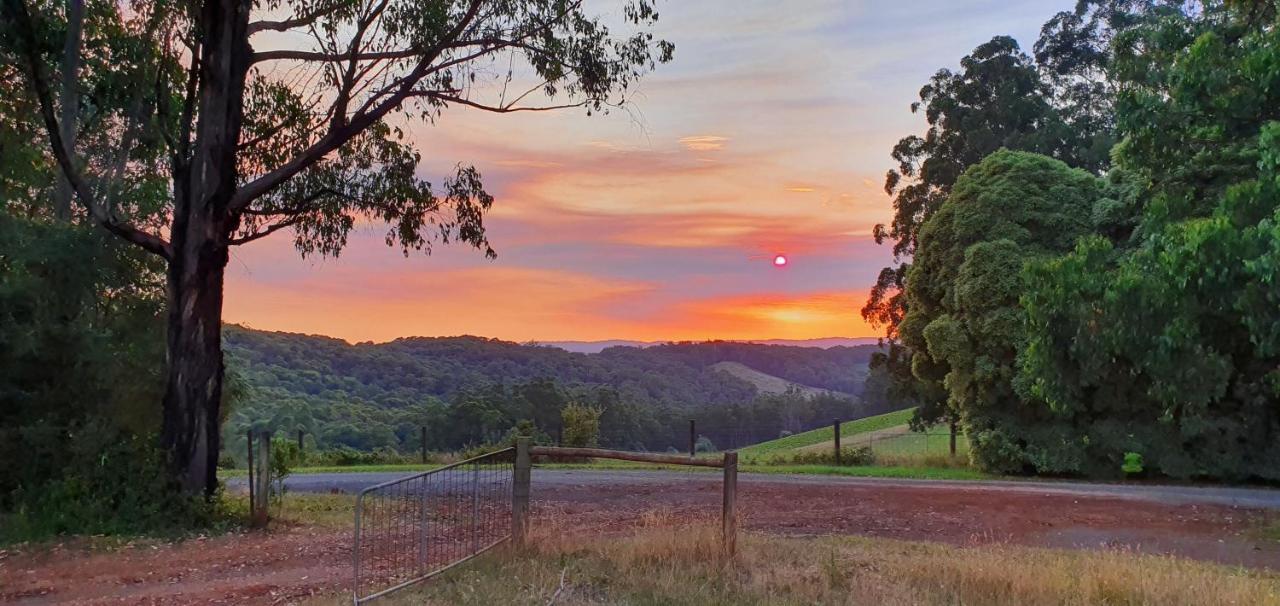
[520, 492]
[301, 433]
[953, 438]
[729, 514]
[693, 439]
[253, 499]
[835, 426]
[262, 476]
[424, 444]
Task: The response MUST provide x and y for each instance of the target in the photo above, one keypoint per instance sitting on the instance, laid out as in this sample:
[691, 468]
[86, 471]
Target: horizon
[558, 342]
[664, 218]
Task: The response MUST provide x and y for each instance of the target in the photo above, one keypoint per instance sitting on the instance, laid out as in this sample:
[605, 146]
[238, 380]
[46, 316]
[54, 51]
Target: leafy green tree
[1165, 343]
[300, 135]
[963, 321]
[581, 426]
[996, 101]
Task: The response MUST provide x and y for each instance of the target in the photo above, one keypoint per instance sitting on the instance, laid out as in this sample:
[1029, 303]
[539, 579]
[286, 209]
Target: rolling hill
[767, 383]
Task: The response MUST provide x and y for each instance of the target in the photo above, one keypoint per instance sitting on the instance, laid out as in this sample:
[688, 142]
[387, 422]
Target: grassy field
[825, 434]
[661, 564]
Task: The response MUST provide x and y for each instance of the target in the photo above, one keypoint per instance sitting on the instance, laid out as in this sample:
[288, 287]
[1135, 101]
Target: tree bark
[201, 230]
[193, 394]
[70, 111]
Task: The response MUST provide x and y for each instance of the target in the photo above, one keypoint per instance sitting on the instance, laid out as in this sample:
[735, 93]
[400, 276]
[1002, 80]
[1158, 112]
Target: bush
[115, 483]
[849, 457]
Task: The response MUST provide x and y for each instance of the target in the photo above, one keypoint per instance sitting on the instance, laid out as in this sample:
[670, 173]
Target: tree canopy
[963, 319]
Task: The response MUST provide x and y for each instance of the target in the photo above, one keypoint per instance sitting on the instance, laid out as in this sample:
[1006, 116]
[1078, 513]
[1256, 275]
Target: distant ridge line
[598, 346]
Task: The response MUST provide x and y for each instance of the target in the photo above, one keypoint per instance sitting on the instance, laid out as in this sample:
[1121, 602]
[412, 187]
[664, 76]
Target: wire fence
[411, 529]
[907, 443]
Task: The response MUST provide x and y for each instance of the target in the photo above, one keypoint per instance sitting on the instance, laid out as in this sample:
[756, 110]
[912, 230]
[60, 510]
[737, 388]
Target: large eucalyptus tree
[287, 114]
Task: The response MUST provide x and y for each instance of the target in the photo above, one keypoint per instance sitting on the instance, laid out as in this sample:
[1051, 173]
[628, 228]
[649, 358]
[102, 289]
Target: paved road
[552, 479]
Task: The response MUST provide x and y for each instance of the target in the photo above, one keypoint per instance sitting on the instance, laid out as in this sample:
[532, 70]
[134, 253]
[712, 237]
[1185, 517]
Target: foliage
[1059, 105]
[1132, 463]
[1165, 341]
[704, 444]
[849, 456]
[581, 425]
[112, 483]
[285, 456]
[963, 319]
[469, 391]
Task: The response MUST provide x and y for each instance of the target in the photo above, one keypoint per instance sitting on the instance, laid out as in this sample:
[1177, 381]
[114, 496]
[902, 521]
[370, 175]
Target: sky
[769, 134]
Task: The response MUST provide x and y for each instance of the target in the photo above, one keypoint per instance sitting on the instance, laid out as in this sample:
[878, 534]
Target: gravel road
[553, 479]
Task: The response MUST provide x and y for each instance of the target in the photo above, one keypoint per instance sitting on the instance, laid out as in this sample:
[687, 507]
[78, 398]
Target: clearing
[768, 383]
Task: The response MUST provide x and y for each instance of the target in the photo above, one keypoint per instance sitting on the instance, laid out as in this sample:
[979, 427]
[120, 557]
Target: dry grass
[667, 563]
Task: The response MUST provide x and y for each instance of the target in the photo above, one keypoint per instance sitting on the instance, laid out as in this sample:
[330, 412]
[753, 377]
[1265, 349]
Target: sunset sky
[768, 134]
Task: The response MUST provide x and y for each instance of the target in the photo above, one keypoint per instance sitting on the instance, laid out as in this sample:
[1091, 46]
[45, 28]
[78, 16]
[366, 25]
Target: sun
[780, 261]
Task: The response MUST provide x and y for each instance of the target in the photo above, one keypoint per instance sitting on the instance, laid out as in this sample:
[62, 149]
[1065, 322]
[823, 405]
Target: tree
[581, 425]
[963, 321]
[998, 100]
[303, 137]
[1165, 342]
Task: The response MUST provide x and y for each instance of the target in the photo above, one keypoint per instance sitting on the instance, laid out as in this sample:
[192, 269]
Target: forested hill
[470, 390]
[406, 370]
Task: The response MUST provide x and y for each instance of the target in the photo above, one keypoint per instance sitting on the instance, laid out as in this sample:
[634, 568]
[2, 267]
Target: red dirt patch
[293, 562]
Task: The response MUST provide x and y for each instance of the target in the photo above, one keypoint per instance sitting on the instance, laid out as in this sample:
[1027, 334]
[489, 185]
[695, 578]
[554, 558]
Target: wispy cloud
[704, 142]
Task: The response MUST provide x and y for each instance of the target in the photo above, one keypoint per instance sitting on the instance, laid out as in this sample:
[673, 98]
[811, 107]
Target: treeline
[1093, 237]
[468, 391]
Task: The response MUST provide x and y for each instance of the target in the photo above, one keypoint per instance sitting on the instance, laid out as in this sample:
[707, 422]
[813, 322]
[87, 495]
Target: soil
[293, 561]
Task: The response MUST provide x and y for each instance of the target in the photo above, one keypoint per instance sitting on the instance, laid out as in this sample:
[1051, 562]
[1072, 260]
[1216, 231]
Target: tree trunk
[202, 225]
[193, 394]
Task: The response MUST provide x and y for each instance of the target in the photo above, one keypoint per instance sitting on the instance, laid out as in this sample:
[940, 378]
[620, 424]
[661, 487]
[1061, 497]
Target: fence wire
[410, 529]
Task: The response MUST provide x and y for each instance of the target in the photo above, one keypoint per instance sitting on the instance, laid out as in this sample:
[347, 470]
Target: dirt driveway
[295, 561]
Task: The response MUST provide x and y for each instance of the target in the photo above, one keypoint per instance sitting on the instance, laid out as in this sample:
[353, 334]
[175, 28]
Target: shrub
[860, 455]
[116, 483]
[1132, 463]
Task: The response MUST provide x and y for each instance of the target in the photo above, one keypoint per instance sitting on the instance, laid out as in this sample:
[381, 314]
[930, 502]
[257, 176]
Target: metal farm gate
[413, 528]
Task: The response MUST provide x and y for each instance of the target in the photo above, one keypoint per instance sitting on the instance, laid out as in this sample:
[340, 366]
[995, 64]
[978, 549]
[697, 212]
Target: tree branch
[288, 24]
[337, 137]
[17, 10]
[270, 229]
[500, 109]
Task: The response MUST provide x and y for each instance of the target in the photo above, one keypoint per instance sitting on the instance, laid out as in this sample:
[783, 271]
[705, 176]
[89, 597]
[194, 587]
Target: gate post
[262, 477]
[520, 492]
[729, 514]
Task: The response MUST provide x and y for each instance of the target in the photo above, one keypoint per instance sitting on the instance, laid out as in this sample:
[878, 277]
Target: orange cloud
[704, 142]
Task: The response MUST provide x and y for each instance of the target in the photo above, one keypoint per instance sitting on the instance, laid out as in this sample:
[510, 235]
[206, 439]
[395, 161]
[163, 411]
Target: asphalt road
[553, 479]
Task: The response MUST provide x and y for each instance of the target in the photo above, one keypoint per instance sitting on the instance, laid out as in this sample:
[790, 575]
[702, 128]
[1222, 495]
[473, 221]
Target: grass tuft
[665, 563]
